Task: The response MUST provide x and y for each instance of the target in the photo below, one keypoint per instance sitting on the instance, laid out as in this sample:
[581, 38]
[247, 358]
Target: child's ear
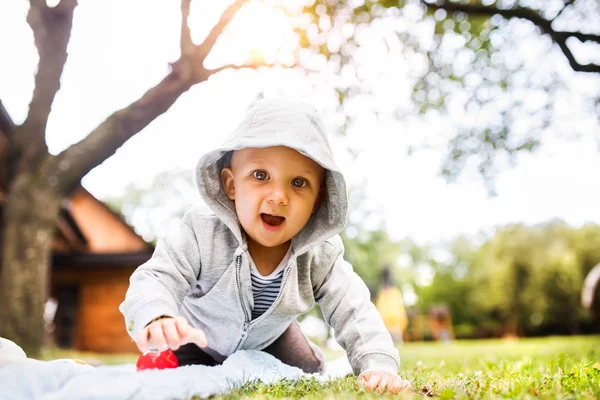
[228, 183]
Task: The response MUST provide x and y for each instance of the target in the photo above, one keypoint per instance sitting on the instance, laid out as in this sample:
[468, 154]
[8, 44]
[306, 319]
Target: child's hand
[382, 381]
[169, 333]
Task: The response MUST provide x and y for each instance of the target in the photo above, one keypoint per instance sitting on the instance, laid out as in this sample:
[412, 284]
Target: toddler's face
[275, 189]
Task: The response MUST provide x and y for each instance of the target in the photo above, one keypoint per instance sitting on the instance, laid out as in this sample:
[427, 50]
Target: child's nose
[278, 195]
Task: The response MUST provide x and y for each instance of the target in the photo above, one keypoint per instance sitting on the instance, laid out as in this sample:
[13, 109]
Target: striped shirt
[265, 289]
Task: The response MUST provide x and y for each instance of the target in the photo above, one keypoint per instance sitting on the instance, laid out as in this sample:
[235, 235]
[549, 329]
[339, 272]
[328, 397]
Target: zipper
[247, 322]
[246, 325]
[244, 333]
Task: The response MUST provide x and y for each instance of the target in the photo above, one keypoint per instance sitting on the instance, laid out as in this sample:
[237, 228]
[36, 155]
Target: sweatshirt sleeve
[158, 286]
[345, 301]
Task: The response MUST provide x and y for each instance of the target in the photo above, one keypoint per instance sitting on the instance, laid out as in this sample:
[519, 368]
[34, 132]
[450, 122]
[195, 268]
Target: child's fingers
[404, 386]
[383, 384]
[401, 386]
[381, 381]
[182, 327]
[370, 381]
[362, 379]
[187, 334]
[397, 385]
[198, 337]
[171, 334]
[373, 381]
[157, 336]
[141, 340]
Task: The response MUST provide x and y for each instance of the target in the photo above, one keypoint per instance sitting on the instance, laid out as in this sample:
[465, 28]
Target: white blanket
[64, 379]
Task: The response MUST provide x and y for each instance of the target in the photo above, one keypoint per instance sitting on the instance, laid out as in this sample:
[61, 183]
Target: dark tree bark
[545, 25]
[36, 181]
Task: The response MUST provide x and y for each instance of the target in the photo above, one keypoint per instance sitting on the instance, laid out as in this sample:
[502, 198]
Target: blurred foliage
[368, 253]
[530, 278]
[152, 208]
[476, 69]
[523, 280]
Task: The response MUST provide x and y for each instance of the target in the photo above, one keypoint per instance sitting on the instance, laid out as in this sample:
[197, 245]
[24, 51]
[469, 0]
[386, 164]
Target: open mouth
[272, 220]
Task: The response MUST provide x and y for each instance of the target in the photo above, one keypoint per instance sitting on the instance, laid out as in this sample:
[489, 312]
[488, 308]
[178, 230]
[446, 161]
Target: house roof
[91, 260]
[88, 228]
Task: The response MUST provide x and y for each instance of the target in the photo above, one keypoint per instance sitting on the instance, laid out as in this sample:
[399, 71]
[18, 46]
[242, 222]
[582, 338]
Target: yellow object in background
[391, 308]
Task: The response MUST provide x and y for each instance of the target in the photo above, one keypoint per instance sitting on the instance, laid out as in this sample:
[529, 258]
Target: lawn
[552, 368]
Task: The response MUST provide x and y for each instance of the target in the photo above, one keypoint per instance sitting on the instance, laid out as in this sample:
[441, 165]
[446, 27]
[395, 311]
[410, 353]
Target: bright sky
[121, 48]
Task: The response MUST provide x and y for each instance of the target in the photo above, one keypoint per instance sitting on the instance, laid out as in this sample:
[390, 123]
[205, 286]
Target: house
[94, 254]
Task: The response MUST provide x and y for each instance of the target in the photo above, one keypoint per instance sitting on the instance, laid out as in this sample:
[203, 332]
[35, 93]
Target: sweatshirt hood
[279, 123]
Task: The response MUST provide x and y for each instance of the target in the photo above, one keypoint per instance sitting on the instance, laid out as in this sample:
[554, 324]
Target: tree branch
[238, 67]
[80, 158]
[66, 5]
[583, 37]
[565, 6]
[51, 30]
[76, 161]
[560, 38]
[187, 46]
[216, 31]
[41, 4]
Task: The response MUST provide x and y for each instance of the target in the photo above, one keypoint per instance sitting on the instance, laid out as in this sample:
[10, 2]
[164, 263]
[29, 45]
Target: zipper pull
[245, 330]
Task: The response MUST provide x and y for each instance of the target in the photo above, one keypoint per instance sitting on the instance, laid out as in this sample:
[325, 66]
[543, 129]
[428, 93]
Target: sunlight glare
[263, 34]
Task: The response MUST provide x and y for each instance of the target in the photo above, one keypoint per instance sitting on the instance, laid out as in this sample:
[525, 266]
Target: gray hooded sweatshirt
[202, 272]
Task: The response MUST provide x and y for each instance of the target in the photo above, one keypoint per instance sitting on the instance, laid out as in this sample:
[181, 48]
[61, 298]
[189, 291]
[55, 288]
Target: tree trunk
[35, 193]
[29, 218]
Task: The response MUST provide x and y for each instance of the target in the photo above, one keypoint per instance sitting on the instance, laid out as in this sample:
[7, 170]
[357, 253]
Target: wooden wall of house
[99, 326]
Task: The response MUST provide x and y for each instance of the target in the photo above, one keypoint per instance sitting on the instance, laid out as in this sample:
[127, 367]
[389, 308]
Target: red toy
[157, 360]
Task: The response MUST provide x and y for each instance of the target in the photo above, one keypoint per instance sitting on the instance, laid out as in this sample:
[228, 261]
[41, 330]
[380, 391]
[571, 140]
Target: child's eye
[299, 182]
[260, 175]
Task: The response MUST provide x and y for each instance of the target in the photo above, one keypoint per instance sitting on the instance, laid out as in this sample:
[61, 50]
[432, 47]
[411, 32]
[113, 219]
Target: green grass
[550, 368]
